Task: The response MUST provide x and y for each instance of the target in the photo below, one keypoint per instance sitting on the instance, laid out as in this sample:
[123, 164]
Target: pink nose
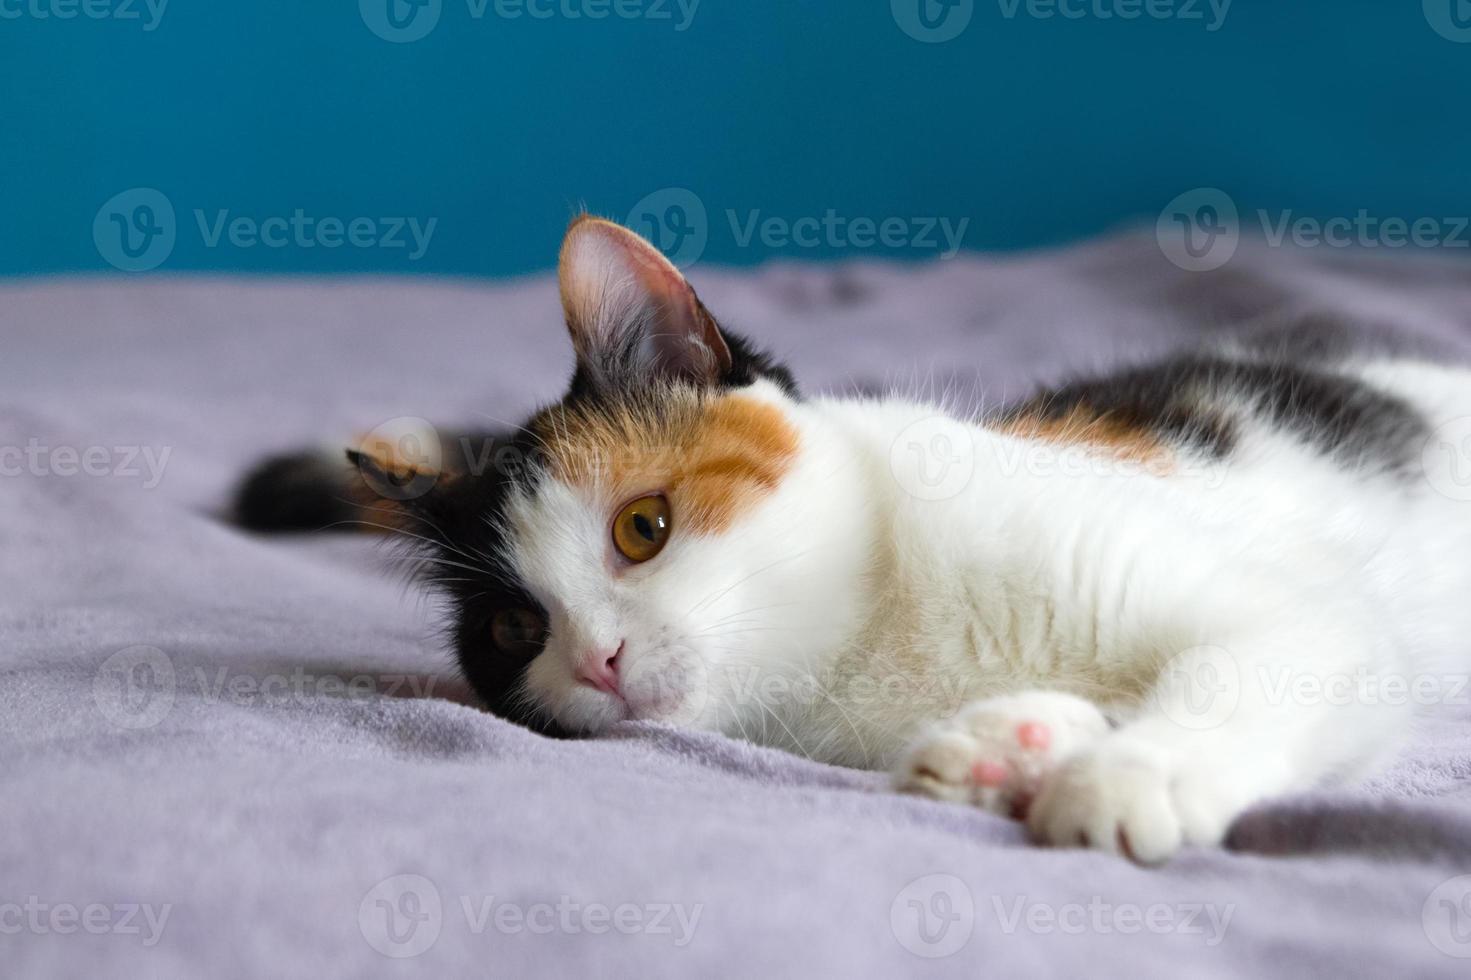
[599, 669]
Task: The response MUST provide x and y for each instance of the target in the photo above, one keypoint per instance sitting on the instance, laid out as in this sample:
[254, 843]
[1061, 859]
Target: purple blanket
[229, 755]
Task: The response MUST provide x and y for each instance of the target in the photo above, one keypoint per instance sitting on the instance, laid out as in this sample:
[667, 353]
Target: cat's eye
[641, 528]
[518, 632]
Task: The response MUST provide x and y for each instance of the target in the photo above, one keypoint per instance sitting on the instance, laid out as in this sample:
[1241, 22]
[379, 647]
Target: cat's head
[650, 545]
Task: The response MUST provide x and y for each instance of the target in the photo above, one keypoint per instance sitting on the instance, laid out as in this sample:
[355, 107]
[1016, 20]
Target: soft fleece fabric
[301, 778]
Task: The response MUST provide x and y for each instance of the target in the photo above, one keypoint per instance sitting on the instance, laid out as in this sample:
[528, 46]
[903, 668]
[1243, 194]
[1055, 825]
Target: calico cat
[1123, 611]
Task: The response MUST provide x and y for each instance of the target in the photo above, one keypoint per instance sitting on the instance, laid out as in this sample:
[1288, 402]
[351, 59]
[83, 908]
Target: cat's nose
[599, 668]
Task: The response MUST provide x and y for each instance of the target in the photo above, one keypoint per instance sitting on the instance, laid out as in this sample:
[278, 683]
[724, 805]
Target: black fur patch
[748, 364]
[1200, 402]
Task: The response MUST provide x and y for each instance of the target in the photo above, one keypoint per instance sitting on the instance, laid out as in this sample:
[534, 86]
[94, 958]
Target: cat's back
[1365, 410]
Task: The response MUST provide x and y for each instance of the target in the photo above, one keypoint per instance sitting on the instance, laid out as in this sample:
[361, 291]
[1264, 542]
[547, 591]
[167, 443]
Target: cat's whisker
[790, 734]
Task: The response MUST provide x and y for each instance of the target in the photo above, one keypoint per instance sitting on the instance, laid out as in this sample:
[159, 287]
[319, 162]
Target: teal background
[1037, 130]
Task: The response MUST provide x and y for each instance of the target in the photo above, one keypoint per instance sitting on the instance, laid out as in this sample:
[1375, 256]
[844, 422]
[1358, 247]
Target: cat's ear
[632, 315]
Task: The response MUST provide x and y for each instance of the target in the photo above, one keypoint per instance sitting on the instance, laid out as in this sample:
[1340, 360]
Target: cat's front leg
[996, 753]
[1219, 732]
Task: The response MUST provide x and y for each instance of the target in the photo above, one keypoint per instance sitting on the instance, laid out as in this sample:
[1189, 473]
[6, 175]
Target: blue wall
[1035, 129]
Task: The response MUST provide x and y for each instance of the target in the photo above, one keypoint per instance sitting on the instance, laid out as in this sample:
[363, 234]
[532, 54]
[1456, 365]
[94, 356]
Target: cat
[1122, 611]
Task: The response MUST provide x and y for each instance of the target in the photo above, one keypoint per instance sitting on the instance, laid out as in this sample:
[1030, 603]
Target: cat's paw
[1125, 796]
[996, 753]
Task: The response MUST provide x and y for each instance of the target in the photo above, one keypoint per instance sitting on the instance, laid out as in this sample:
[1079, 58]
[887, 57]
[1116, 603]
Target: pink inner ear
[613, 281]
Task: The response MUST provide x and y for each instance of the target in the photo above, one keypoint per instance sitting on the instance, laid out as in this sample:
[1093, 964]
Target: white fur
[846, 616]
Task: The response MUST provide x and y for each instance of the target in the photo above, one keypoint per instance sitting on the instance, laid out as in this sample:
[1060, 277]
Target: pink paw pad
[989, 773]
[1033, 735]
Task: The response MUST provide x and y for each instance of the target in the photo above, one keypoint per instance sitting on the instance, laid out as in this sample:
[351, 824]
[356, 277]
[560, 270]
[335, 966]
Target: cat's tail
[312, 490]
[396, 478]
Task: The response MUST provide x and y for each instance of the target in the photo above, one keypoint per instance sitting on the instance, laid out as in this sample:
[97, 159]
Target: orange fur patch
[1082, 426]
[713, 456]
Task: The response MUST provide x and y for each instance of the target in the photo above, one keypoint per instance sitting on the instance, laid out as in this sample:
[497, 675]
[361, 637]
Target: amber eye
[641, 528]
[519, 632]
